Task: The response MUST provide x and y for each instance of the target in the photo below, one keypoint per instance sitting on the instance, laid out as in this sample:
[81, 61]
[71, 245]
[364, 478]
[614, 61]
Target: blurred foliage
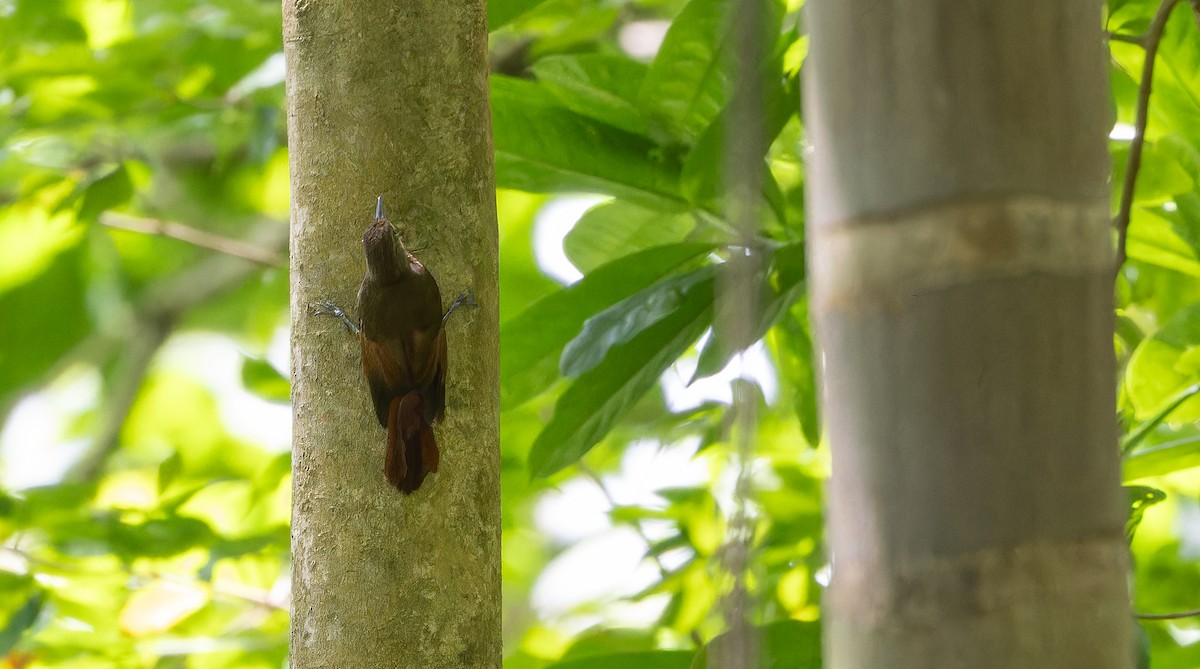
[166, 551]
[146, 495]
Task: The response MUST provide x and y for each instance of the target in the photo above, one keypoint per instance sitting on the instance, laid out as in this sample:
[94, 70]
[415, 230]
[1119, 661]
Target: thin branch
[232, 591]
[134, 360]
[1150, 43]
[184, 233]
[156, 317]
[1167, 616]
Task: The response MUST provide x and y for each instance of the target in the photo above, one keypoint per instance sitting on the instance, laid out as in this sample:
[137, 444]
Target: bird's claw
[466, 299]
[327, 308]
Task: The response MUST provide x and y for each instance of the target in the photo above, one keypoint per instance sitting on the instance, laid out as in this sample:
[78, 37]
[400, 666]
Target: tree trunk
[390, 98]
[962, 269]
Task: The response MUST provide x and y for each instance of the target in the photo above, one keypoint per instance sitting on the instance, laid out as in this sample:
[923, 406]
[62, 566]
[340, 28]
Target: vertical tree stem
[960, 261]
[390, 98]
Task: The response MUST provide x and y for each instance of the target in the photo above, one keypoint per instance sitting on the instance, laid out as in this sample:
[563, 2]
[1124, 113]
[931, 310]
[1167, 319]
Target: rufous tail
[412, 452]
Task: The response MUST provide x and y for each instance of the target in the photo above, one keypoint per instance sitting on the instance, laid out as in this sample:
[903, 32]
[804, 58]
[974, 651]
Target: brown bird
[403, 337]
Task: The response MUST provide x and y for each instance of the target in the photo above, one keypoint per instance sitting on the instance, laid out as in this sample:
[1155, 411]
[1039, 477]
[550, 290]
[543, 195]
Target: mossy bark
[390, 98]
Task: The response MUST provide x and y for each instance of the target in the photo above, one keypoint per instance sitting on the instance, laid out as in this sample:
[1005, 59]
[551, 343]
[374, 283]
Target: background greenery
[143, 381]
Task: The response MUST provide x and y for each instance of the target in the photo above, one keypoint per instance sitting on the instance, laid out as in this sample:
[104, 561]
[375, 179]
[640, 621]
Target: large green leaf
[534, 339]
[599, 398]
[1153, 239]
[774, 297]
[44, 318]
[600, 86]
[610, 641]
[156, 537]
[543, 147]
[784, 644]
[1129, 16]
[20, 621]
[262, 379]
[1175, 103]
[704, 165]
[613, 229]
[1160, 459]
[1159, 178]
[1185, 220]
[797, 364]
[501, 12]
[623, 321]
[1176, 93]
[113, 189]
[1136, 436]
[687, 83]
[1163, 365]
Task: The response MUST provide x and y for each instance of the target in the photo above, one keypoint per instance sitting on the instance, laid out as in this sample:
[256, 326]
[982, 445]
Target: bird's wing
[384, 373]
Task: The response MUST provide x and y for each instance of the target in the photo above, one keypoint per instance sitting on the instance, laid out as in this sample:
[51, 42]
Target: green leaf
[1128, 332]
[49, 25]
[20, 621]
[1140, 498]
[569, 26]
[1162, 459]
[47, 506]
[1131, 440]
[542, 147]
[599, 398]
[658, 659]
[168, 471]
[703, 168]
[613, 229]
[603, 87]
[790, 264]
[773, 193]
[278, 468]
[773, 300]
[623, 321]
[609, 642]
[687, 83]
[1141, 646]
[44, 318]
[159, 537]
[1154, 240]
[8, 504]
[113, 189]
[277, 537]
[794, 351]
[1129, 16]
[260, 378]
[1163, 365]
[170, 504]
[1159, 178]
[1176, 79]
[534, 339]
[1185, 221]
[784, 644]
